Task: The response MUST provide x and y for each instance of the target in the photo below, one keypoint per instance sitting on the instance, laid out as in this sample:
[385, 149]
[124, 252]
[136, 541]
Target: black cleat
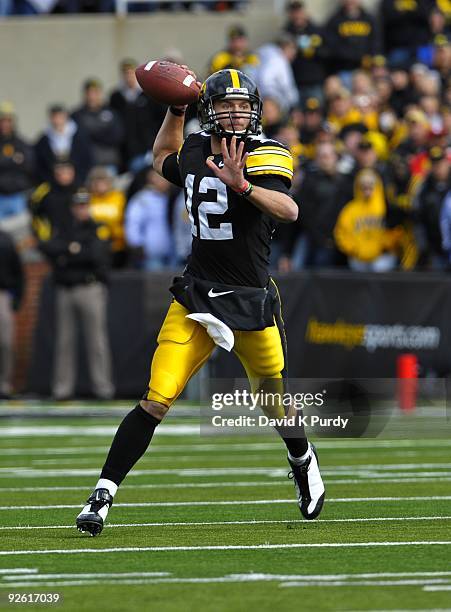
[93, 515]
[309, 485]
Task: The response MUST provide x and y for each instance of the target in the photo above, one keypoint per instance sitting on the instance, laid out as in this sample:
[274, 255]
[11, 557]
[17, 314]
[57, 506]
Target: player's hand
[183, 107]
[232, 173]
[193, 74]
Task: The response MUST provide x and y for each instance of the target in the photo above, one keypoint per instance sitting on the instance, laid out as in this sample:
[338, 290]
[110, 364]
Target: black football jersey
[231, 236]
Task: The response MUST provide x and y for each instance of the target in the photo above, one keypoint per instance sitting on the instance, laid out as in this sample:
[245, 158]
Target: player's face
[235, 114]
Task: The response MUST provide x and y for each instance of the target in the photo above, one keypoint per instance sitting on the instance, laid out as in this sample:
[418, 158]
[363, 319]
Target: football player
[237, 187]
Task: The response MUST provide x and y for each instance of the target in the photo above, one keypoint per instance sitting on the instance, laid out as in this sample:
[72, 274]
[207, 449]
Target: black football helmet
[229, 84]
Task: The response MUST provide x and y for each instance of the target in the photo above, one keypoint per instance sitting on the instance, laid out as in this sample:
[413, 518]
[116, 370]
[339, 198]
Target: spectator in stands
[309, 242]
[445, 227]
[140, 116]
[102, 124]
[383, 88]
[274, 75]
[361, 83]
[80, 260]
[423, 81]
[311, 125]
[353, 38]
[237, 54]
[441, 60]
[366, 105]
[181, 231]
[428, 208]
[400, 192]
[273, 117]
[414, 146]
[342, 111]
[366, 155]
[147, 227]
[11, 290]
[403, 94]
[107, 207]
[50, 202]
[16, 165]
[62, 140]
[405, 28]
[309, 64]
[443, 6]
[349, 139]
[365, 158]
[360, 231]
[437, 32]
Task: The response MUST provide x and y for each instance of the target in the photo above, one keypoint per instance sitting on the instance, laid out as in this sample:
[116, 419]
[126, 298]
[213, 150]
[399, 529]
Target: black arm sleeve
[171, 170]
[270, 181]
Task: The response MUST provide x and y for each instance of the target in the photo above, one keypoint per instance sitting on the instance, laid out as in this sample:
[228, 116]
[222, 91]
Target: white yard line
[437, 588]
[19, 570]
[340, 583]
[252, 577]
[34, 431]
[38, 577]
[251, 522]
[219, 484]
[370, 444]
[133, 549]
[232, 446]
[65, 583]
[270, 471]
[359, 475]
[231, 502]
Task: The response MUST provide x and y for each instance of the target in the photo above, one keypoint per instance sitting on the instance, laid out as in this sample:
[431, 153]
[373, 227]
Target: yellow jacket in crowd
[225, 59]
[108, 209]
[360, 230]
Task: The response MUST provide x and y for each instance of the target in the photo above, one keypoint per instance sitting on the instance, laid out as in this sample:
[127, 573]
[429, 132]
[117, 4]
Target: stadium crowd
[362, 101]
[44, 7]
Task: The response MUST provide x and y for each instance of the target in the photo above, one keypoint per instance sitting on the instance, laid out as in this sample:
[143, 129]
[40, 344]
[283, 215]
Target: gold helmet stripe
[235, 79]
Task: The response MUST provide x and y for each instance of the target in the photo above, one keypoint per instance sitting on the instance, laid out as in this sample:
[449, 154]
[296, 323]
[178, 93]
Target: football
[167, 83]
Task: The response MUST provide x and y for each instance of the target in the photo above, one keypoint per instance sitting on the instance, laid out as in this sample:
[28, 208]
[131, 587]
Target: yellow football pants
[184, 346]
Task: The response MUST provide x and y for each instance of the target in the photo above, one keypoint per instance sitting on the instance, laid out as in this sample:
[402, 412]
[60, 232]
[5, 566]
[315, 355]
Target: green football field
[211, 523]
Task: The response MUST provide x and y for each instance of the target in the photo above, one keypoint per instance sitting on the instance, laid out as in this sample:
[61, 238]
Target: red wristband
[248, 189]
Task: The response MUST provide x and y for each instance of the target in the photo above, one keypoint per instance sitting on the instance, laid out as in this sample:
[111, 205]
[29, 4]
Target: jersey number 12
[203, 230]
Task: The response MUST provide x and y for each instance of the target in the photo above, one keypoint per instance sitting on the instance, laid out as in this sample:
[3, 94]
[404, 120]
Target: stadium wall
[45, 60]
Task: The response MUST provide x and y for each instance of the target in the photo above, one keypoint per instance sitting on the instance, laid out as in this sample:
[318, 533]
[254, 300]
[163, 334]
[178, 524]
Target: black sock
[296, 446]
[129, 444]
[295, 439]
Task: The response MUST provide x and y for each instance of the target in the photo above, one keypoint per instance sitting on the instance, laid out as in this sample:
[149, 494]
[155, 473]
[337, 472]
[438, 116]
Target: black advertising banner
[347, 325]
[339, 325]
[354, 326]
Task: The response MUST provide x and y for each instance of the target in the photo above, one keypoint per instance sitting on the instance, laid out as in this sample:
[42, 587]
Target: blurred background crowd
[55, 7]
[363, 101]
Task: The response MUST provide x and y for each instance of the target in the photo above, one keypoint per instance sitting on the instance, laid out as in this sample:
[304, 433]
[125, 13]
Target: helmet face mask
[229, 85]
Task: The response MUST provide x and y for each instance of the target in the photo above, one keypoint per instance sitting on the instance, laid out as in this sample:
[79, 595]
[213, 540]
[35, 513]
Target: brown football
[167, 83]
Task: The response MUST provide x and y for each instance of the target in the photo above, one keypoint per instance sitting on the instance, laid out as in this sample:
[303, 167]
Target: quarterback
[237, 188]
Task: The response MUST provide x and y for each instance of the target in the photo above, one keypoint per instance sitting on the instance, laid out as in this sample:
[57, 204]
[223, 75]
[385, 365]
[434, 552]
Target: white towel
[219, 332]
